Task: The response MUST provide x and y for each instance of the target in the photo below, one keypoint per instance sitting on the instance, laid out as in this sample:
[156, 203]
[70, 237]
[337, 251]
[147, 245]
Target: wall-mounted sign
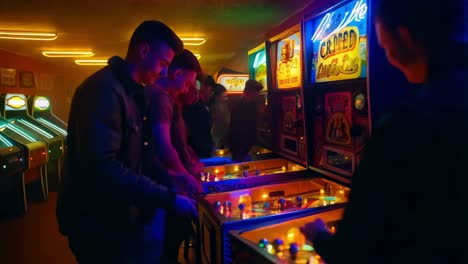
[288, 68]
[234, 83]
[46, 82]
[7, 77]
[337, 43]
[26, 79]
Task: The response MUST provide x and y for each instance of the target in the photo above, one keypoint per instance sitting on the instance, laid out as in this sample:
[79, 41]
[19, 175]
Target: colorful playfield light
[27, 35]
[67, 53]
[193, 41]
[91, 62]
[198, 56]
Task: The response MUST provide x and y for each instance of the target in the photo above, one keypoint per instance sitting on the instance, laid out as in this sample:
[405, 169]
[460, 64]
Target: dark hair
[437, 26]
[252, 86]
[155, 32]
[432, 24]
[186, 61]
[218, 89]
[209, 80]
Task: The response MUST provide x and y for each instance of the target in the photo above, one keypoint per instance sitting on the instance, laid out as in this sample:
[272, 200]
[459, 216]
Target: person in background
[198, 120]
[206, 89]
[243, 127]
[408, 196]
[110, 199]
[220, 115]
[167, 98]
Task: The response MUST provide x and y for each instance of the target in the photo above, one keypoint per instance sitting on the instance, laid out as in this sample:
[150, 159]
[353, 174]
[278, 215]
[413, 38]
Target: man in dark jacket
[112, 196]
[198, 120]
[242, 134]
[407, 198]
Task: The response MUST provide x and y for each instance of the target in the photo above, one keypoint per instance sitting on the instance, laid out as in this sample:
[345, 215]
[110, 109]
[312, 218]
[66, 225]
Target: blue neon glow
[53, 126]
[35, 128]
[5, 141]
[320, 30]
[21, 133]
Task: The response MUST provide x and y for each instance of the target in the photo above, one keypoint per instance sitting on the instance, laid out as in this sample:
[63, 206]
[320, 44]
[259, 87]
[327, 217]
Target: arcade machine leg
[13, 200]
[53, 175]
[39, 189]
[22, 200]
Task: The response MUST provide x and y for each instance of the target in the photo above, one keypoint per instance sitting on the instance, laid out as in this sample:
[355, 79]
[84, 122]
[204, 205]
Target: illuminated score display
[337, 43]
[41, 103]
[15, 102]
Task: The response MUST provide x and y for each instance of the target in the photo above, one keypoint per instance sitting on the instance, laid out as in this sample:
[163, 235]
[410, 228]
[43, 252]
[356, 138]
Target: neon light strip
[61, 54]
[47, 123]
[33, 127]
[91, 62]
[358, 13]
[27, 35]
[5, 141]
[193, 41]
[17, 131]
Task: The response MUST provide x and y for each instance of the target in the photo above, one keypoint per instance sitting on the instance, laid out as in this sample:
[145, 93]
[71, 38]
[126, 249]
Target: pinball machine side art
[338, 118]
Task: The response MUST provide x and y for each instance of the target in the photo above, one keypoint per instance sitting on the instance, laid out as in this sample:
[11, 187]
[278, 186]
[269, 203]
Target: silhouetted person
[220, 115]
[406, 203]
[243, 127]
[198, 120]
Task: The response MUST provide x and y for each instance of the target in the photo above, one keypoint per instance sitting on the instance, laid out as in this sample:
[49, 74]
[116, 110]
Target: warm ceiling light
[198, 56]
[27, 35]
[68, 53]
[91, 62]
[193, 41]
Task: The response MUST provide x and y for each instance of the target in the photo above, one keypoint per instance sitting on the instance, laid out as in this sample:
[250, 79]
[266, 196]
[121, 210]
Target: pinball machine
[337, 94]
[41, 109]
[243, 175]
[348, 87]
[14, 109]
[32, 182]
[222, 212]
[13, 163]
[285, 52]
[281, 241]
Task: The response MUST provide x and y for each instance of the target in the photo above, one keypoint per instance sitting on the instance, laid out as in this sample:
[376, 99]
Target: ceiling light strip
[91, 62]
[193, 41]
[26, 35]
[68, 53]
